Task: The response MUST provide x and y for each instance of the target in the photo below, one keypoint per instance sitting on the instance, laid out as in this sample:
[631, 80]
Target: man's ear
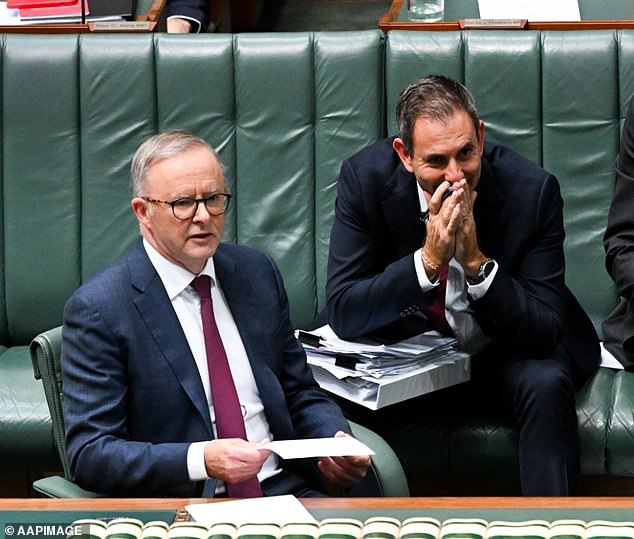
[141, 209]
[404, 156]
[481, 137]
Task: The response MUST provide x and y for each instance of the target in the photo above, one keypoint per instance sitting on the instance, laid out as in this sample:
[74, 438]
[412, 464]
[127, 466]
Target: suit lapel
[155, 308]
[489, 214]
[402, 212]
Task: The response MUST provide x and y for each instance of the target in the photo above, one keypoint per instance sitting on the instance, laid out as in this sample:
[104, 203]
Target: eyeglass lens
[186, 208]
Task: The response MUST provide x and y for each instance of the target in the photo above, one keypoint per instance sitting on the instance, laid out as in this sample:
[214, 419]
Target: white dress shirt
[458, 312]
[186, 303]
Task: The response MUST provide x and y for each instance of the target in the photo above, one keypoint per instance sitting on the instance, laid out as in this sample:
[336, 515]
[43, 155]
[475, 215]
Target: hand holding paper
[233, 460]
[341, 473]
[344, 460]
[338, 446]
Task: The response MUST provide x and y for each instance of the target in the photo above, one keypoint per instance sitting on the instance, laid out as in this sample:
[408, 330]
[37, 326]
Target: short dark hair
[436, 97]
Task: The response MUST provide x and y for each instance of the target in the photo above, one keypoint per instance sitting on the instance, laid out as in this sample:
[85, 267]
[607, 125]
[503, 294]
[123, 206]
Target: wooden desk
[33, 512]
[141, 23]
[375, 504]
[395, 19]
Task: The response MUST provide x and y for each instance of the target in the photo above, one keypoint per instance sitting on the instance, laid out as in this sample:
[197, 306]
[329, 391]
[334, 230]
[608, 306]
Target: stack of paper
[56, 10]
[65, 11]
[269, 509]
[378, 375]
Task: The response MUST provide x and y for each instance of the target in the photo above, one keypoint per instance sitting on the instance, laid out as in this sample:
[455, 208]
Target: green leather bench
[284, 110]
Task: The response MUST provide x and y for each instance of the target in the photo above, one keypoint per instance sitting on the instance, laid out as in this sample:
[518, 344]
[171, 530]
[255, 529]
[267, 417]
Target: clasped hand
[451, 229]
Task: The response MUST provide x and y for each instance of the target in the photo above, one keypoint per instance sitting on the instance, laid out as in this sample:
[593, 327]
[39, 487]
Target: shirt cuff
[196, 461]
[421, 274]
[195, 29]
[476, 291]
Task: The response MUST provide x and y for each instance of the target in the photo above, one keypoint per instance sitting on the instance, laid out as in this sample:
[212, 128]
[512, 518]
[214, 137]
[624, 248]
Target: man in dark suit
[495, 241]
[140, 415]
[618, 240]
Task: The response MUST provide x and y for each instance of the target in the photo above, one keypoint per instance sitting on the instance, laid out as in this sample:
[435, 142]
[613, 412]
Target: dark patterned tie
[229, 421]
[435, 311]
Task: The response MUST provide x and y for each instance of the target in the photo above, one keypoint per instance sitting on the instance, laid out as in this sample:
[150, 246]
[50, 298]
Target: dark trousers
[286, 482]
[537, 397]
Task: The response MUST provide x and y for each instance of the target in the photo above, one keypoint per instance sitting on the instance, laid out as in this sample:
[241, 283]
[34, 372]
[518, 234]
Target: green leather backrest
[283, 110]
[556, 97]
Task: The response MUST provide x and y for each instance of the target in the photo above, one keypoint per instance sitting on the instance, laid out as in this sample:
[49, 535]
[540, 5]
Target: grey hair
[435, 97]
[163, 146]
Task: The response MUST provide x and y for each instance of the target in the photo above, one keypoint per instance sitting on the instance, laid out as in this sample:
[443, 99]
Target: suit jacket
[372, 287]
[133, 398]
[618, 240]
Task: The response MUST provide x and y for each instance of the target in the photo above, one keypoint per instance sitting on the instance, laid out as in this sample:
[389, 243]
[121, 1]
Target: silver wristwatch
[484, 271]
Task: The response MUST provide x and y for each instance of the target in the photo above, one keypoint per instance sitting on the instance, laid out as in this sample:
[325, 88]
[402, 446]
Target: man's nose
[201, 213]
[453, 172]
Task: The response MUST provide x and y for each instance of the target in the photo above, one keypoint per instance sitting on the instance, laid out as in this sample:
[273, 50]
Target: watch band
[484, 271]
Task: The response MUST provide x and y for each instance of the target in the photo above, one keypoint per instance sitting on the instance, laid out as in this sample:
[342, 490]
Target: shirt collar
[174, 277]
[421, 198]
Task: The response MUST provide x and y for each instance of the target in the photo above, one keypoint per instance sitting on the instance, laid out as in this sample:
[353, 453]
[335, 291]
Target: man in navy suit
[435, 200]
[140, 420]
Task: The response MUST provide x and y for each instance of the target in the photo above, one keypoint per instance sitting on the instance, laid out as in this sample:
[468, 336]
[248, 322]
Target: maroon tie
[229, 421]
[435, 311]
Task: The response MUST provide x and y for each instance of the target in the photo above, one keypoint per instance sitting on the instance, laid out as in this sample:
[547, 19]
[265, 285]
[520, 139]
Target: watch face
[487, 268]
[484, 271]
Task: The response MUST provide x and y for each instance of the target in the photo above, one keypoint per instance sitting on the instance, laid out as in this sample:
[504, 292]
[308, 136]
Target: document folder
[73, 9]
[376, 376]
[378, 393]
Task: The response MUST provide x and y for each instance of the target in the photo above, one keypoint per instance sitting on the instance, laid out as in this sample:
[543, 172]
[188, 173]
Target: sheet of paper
[9, 16]
[328, 363]
[319, 447]
[414, 346]
[274, 509]
[608, 360]
[533, 10]
[375, 393]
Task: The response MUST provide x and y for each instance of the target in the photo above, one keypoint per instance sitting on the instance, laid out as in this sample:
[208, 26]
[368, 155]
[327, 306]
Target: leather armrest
[386, 466]
[59, 487]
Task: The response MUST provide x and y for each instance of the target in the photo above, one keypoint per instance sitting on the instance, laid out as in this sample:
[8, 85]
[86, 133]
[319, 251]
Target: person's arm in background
[618, 242]
[619, 235]
[185, 16]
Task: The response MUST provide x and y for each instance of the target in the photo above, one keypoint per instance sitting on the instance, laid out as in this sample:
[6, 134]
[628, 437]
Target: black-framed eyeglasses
[186, 208]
